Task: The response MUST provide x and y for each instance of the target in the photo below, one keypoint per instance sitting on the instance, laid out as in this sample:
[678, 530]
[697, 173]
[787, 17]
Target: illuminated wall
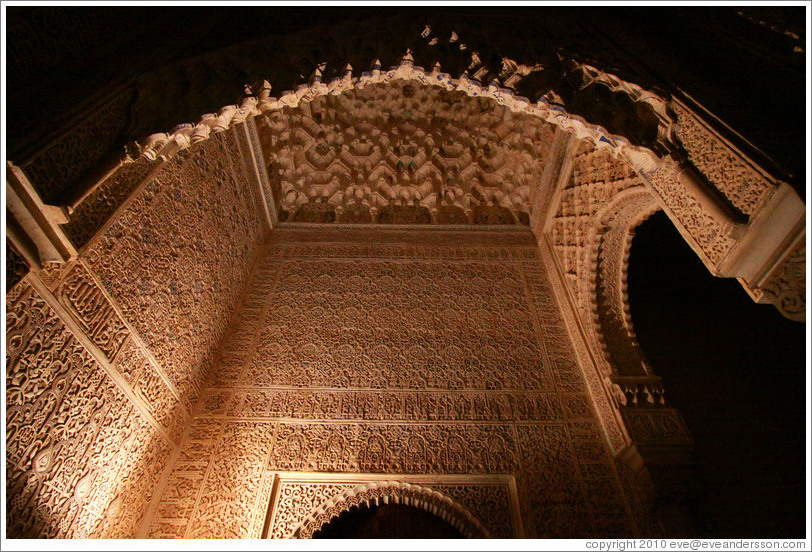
[357, 357]
[106, 355]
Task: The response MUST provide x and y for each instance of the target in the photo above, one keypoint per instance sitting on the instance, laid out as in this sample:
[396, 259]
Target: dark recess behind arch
[736, 371]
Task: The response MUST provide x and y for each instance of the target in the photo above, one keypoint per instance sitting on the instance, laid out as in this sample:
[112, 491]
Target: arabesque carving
[95, 210]
[740, 183]
[355, 350]
[786, 287]
[304, 381]
[613, 232]
[596, 179]
[394, 492]
[704, 230]
[81, 458]
[259, 102]
[175, 259]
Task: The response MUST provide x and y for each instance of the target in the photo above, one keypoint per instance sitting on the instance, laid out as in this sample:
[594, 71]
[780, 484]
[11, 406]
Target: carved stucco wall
[176, 259]
[81, 453]
[590, 228]
[400, 352]
[106, 354]
[595, 179]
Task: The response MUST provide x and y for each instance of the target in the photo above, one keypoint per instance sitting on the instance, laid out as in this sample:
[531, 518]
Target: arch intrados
[626, 211]
[394, 492]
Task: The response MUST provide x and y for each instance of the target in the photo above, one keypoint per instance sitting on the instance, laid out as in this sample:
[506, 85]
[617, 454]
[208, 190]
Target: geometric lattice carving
[403, 154]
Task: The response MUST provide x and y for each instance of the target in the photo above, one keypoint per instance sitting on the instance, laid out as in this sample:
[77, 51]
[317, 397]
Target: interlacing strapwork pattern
[423, 355]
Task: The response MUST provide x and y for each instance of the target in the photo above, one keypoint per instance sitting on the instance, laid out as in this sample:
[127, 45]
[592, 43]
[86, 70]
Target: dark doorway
[389, 521]
[736, 371]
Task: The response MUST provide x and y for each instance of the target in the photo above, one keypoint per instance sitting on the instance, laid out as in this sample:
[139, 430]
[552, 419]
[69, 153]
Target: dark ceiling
[743, 64]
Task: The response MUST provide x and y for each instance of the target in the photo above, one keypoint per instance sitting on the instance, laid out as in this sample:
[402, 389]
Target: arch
[395, 492]
[607, 281]
[643, 159]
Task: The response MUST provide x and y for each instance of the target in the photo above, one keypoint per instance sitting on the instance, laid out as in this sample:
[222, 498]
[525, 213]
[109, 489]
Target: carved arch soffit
[608, 285]
[394, 492]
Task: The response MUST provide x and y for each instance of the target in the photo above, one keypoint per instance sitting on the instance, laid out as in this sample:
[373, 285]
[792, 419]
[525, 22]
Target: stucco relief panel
[305, 381]
[81, 459]
[175, 260]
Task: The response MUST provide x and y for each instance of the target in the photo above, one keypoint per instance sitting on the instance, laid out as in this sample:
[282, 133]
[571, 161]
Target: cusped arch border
[166, 145]
[393, 492]
[609, 251]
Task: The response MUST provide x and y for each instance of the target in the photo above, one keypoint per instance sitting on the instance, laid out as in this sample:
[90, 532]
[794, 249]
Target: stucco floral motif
[728, 171]
[81, 459]
[306, 382]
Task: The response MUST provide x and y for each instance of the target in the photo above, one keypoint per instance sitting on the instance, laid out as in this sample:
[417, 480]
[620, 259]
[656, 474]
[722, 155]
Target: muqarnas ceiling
[406, 154]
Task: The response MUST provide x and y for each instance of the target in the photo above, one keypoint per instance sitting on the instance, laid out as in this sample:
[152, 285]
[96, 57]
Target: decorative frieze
[441, 406]
[735, 178]
[87, 303]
